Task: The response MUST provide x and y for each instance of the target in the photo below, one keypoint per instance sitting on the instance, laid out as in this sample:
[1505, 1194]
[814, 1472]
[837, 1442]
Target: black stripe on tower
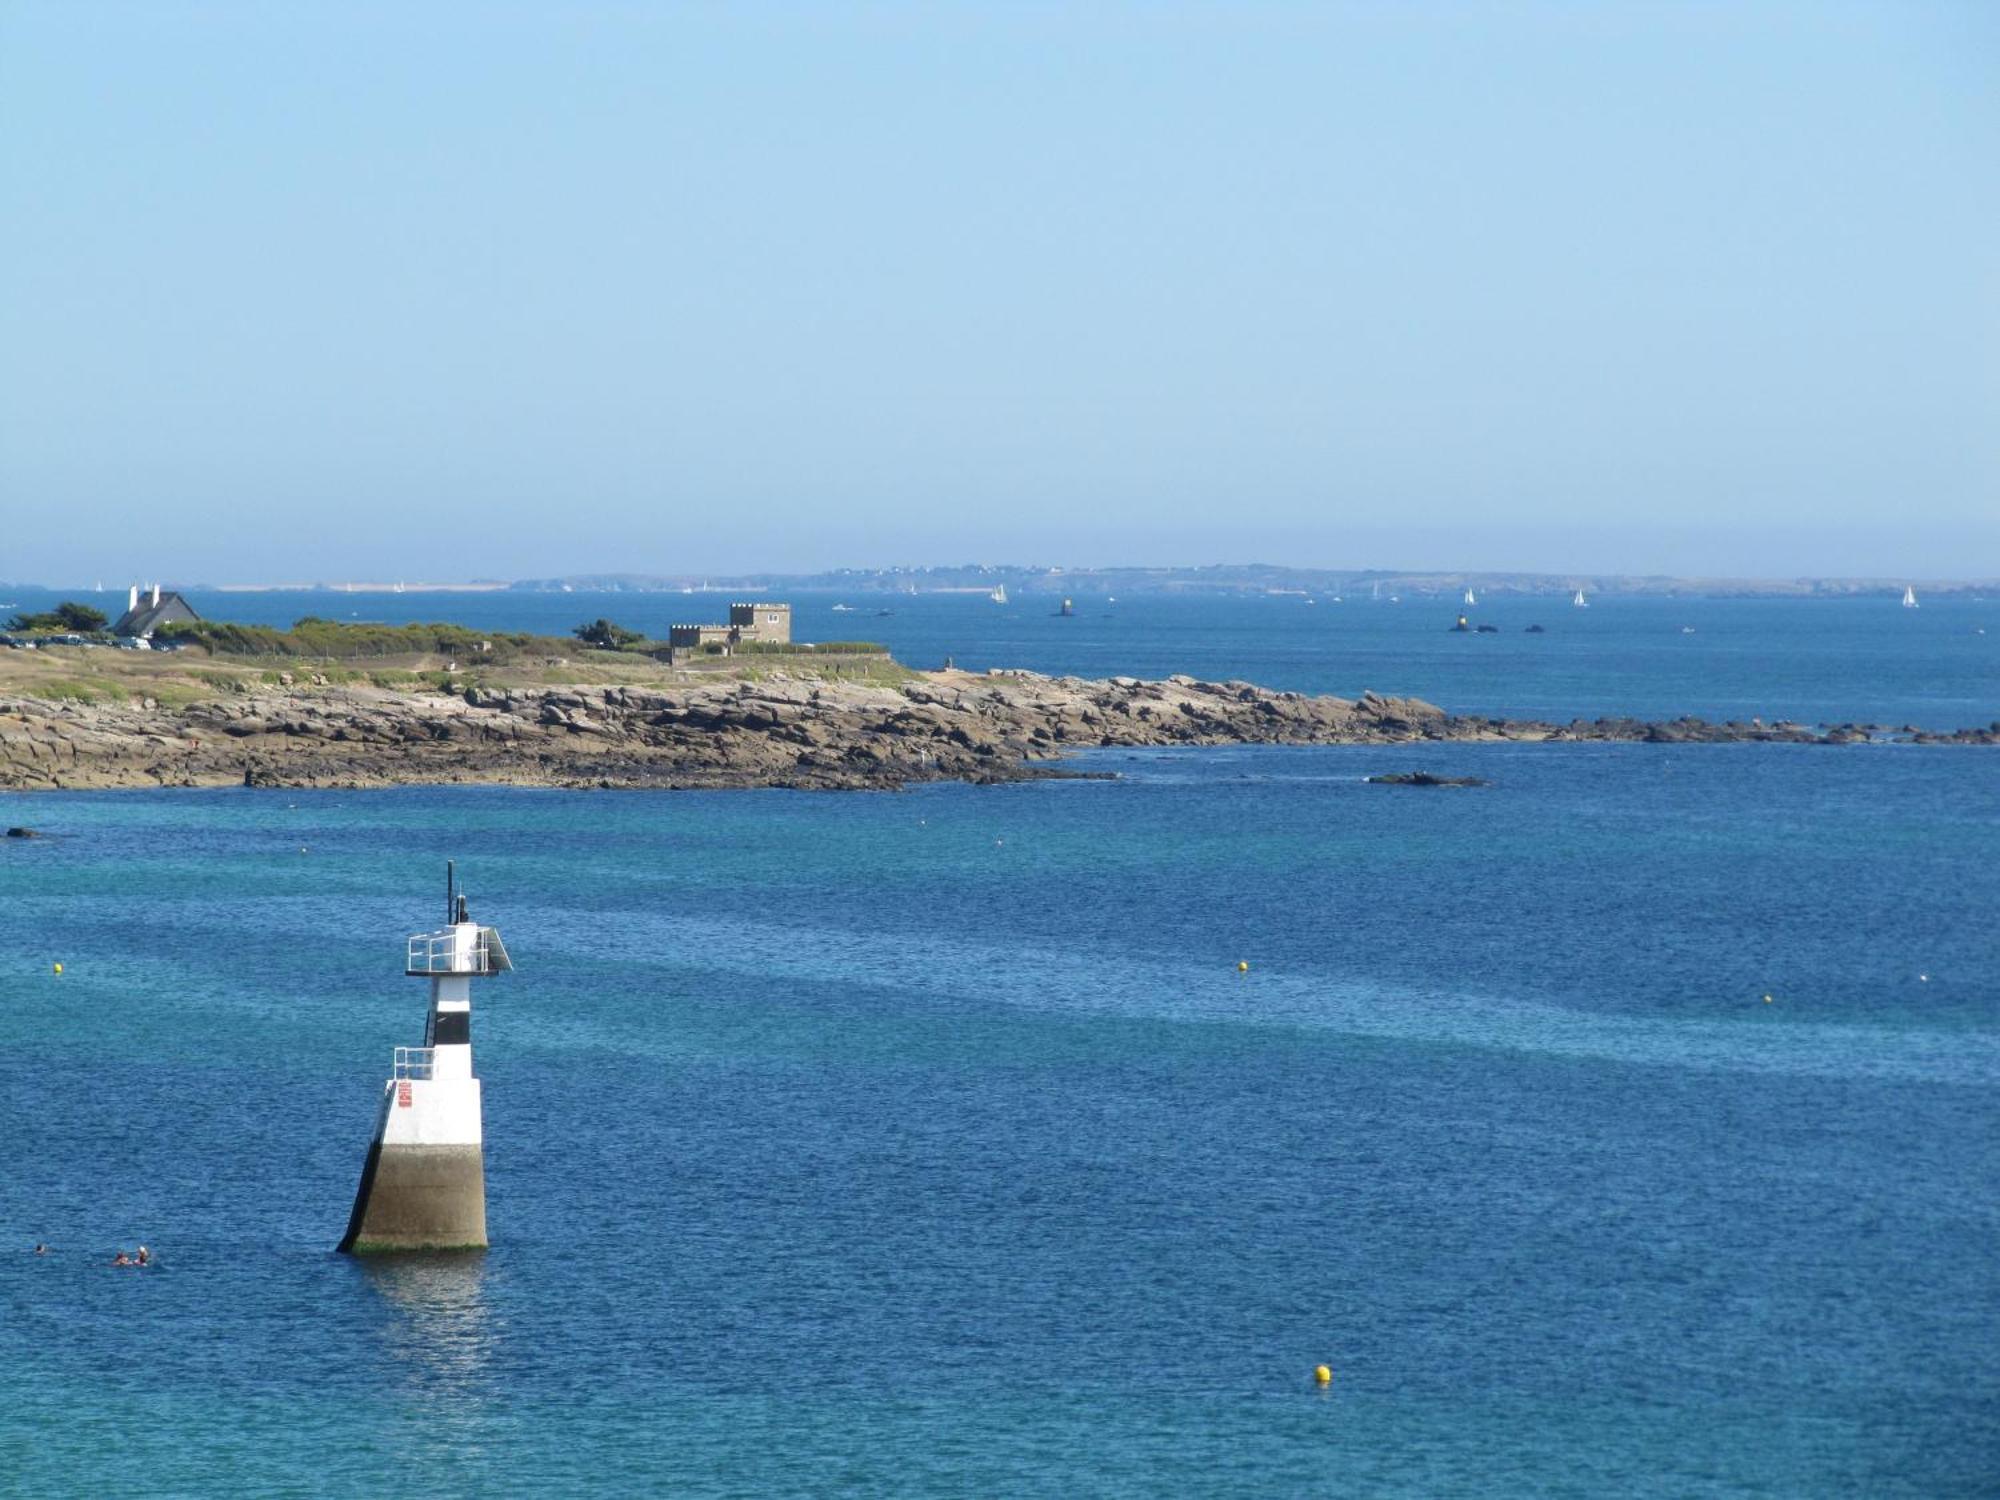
[451, 1028]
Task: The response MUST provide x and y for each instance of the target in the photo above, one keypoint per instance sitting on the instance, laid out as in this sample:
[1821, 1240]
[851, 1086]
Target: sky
[443, 291]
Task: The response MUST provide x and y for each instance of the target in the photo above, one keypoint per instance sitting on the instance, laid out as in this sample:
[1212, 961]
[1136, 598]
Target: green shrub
[601, 632]
[68, 616]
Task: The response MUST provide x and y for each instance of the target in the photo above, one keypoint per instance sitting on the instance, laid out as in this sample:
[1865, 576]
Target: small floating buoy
[1923, 978]
[1767, 999]
[1322, 1375]
[1243, 966]
[59, 968]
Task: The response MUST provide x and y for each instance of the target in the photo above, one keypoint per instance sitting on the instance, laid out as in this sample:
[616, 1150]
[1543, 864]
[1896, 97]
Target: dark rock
[22, 833]
[1425, 778]
[1536, 630]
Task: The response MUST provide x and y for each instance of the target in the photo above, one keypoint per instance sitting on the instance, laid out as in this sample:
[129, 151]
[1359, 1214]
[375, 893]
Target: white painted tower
[424, 1184]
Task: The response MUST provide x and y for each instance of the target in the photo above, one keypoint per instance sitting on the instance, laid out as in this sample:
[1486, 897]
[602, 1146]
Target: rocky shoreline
[780, 731]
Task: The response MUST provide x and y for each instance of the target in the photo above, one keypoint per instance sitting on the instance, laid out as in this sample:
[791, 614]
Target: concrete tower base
[418, 1198]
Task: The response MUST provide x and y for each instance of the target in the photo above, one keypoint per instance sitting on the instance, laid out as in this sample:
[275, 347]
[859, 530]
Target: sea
[1626, 1126]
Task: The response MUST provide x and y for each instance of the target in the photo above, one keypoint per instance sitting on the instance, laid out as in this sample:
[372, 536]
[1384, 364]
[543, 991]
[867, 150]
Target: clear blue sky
[434, 290]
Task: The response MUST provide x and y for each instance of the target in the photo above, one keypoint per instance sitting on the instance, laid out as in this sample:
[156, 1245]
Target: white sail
[1470, 598]
[1909, 597]
[1579, 601]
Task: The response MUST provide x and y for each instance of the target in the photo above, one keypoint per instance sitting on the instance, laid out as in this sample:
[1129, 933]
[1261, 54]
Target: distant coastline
[1324, 585]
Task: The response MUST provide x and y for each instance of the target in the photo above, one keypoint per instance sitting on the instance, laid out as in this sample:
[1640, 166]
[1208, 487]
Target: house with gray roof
[146, 613]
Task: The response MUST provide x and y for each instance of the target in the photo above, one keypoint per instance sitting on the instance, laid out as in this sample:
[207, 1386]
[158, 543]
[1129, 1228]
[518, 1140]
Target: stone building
[747, 622]
[760, 622]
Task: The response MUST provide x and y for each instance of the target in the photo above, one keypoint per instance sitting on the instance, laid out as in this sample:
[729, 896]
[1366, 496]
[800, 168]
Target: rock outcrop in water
[1424, 778]
[778, 732]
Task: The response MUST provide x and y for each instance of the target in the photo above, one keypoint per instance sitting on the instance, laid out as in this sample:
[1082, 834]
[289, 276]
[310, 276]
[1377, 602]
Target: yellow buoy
[1322, 1375]
[59, 968]
[1243, 966]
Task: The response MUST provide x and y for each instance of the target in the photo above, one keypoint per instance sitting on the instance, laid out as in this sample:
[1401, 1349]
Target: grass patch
[172, 694]
[811, 648]
[80, 689]
[338, 641]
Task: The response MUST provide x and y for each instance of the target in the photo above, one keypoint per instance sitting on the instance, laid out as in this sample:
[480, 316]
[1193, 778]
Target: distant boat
[1579, 601]
[1110, 598]
[999, 594]
[843, 609]
[1068, 608]
[1687, 630]
[1470, 597]
[1909, 597]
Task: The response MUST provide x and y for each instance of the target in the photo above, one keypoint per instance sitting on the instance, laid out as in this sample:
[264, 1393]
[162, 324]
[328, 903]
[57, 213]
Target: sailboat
[1909, 597]
[1579, 601]
[999, 594]
[1470, 598]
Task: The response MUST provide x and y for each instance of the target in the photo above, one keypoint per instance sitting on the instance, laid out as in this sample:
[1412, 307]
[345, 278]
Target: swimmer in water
[40, 1248]
[145, 1257]
[123, 1259]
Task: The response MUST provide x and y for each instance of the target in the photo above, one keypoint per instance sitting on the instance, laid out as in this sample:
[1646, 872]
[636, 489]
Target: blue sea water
[931, 1143]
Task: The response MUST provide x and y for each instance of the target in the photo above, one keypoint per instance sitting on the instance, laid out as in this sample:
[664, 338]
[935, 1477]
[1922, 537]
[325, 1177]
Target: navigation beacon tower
[424, 1184]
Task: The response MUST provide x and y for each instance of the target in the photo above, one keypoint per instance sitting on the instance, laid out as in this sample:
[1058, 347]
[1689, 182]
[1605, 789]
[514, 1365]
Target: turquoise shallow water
[930, 1143]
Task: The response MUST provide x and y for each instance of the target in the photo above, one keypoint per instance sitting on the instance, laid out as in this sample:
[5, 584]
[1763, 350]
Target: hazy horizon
[452, 291]
[726, 576]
